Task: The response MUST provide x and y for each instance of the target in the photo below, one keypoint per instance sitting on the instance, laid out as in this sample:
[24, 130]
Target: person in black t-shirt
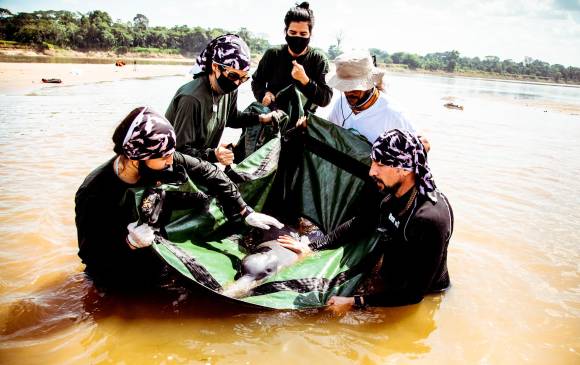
[415, 222]
[110, 245]
[293, 63]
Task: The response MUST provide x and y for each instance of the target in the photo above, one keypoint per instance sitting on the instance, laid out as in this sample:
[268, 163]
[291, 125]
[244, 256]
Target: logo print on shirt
[393, 220]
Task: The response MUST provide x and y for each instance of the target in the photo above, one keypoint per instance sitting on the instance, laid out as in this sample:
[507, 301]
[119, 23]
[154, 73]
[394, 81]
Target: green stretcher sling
[320, 173]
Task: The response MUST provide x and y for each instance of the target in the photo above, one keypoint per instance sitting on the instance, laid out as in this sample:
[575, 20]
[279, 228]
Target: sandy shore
[67, 53]
[21, 78]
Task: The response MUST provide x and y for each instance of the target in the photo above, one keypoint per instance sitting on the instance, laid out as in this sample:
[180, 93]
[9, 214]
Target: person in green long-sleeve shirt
[293, 63]
[202, 108]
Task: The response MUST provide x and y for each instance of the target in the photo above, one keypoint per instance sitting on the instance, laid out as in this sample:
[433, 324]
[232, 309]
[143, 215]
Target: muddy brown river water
[508, 163]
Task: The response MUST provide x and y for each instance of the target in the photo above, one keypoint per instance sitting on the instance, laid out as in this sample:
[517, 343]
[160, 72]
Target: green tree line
[452, 61]
[96, 30]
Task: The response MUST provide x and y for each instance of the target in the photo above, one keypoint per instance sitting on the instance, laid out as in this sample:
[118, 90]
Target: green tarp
[320, 174]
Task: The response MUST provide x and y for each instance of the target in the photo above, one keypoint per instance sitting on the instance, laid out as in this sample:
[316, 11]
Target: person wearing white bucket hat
[355, 71]
[364, 106]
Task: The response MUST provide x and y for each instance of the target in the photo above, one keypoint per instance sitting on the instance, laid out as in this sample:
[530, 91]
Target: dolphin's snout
[259, 265]
[269, 257]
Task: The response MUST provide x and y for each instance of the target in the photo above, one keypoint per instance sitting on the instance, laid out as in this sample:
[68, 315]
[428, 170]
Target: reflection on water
[74, 319]
[509, 171]
[468, 87]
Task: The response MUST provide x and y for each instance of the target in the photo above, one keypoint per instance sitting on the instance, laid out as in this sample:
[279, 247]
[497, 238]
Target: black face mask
[226, 84]
[297, 44]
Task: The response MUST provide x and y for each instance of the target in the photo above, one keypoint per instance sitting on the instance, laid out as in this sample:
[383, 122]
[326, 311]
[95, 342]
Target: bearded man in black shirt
[415, 222]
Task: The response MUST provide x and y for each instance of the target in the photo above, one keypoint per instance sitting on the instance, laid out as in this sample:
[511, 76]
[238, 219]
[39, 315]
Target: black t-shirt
[274, 74]
[413, 244]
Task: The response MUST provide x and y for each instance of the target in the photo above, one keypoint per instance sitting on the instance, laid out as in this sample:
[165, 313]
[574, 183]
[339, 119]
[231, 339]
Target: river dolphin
[264, 260]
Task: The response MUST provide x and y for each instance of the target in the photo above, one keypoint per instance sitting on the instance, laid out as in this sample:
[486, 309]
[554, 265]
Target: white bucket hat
[354, 71]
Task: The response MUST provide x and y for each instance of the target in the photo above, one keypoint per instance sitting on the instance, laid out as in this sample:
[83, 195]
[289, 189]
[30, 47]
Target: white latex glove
[263, 221]
[140, 236]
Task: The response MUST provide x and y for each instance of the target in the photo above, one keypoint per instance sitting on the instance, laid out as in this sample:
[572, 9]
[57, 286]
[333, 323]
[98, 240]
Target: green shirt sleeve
[238, 119]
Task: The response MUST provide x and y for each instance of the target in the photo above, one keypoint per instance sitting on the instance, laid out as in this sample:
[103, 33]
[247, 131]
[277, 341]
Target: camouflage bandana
[149, 136]
[229, 50]
[403, 150]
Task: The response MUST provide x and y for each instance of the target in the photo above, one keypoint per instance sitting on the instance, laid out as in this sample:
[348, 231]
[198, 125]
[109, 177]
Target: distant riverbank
[23, 54]
[21, 78]
[479, 75]
[152, 57]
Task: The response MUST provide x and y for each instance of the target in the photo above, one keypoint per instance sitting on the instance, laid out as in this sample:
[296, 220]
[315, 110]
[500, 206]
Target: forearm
[259, 89]
[207, 154]
[240, 119]
[217, 183]
[341, 235]
[316, 91]
[225, 190]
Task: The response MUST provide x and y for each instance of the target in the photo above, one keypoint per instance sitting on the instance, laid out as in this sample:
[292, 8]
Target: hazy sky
[544, 29]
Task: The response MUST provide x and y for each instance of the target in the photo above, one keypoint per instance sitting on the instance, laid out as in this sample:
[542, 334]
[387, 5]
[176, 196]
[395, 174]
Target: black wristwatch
[358, 301]
[248, 211]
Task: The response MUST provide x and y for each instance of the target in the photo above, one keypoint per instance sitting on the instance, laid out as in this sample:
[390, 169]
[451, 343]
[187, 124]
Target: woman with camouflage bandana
[109, 244]
[202, 108]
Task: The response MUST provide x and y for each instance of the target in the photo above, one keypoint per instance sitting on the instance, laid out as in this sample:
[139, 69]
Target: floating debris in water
[453, 106]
